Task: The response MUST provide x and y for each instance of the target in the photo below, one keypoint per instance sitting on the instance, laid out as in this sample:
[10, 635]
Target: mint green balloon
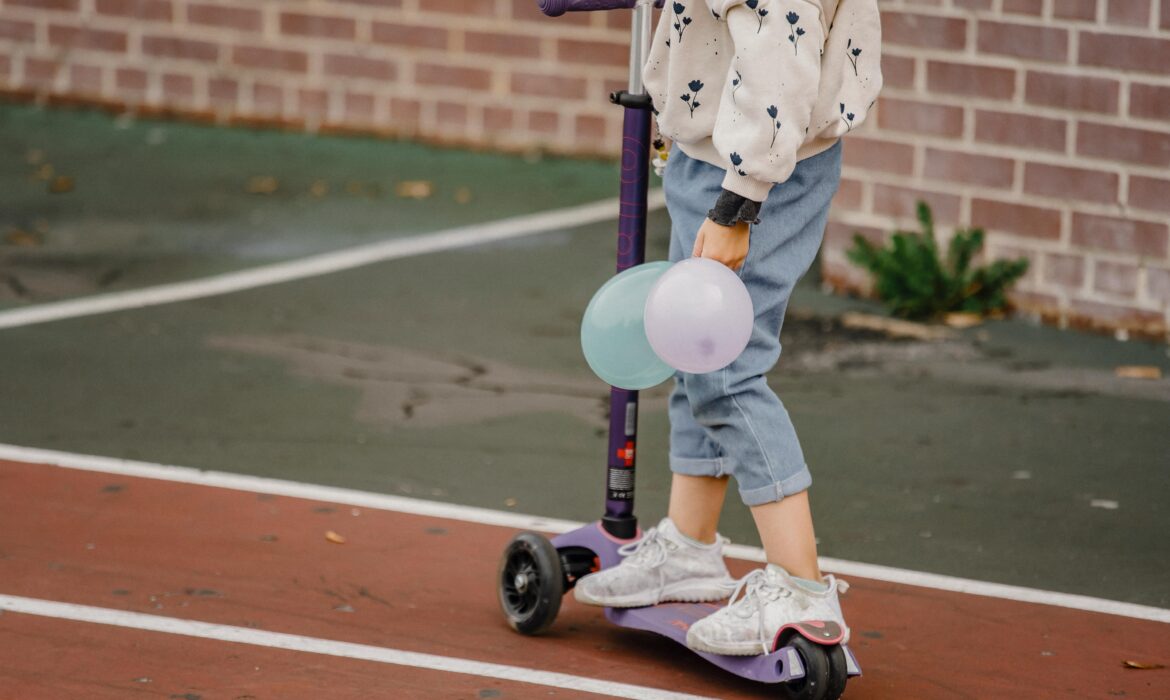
[612, 333]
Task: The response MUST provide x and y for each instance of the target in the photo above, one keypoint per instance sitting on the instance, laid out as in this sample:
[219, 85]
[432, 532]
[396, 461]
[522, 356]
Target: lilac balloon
[698, 316]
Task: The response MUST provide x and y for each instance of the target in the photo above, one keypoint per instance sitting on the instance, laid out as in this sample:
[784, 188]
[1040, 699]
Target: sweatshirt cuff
[747, 186]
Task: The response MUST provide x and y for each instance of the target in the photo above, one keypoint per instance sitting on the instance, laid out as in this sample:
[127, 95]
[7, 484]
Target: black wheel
[838, 672]
[531, 583]
[816, 671]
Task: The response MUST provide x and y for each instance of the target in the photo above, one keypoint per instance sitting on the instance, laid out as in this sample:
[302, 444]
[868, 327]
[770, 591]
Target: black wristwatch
[731, 208]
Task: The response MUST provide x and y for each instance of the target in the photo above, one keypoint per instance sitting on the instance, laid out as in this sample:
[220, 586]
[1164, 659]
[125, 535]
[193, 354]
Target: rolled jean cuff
[699, 467]
[800, 481]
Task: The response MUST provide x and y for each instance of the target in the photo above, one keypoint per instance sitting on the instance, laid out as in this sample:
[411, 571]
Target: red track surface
[427, 585]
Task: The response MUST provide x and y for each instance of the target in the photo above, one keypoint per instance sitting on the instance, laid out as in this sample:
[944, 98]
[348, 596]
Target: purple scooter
[808, 660]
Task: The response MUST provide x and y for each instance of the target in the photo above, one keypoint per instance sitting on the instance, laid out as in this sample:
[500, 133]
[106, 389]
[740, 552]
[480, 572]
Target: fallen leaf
[355, 187]
[262, 184]
[44, 172]
[21, 238]
[962, 320]
[510, 502]
[462, 195]
[319, 188]
[1138, 372]
[894, 327]
[1141, 666]
[414, 189]
[334, 537]
[61, 184]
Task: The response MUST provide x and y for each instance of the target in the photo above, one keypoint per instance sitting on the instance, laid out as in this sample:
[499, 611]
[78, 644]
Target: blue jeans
[730, 422]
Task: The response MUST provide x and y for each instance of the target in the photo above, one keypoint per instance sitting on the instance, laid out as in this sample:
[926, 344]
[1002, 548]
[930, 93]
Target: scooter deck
[674, 619]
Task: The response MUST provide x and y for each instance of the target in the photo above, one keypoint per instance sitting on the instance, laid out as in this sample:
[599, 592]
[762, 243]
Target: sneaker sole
[745, 649]
[691, 592]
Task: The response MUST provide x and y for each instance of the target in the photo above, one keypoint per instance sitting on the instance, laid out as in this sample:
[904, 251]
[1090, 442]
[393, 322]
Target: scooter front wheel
[814, 685]
[531, 583]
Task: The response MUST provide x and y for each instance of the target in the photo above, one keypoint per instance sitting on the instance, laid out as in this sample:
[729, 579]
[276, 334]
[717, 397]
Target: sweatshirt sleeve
[772, 86]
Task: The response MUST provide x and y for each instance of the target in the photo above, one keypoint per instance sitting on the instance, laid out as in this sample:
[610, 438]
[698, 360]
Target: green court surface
[1010, 453]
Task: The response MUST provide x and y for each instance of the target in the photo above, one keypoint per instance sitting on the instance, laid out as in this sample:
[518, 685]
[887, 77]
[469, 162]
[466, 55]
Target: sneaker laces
[758, 589]
[649, 552]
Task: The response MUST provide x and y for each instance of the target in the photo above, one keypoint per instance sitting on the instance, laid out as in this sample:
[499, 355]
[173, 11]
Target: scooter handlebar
[556, 8]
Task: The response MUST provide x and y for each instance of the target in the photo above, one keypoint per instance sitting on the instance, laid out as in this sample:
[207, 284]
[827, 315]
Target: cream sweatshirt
[753, 86]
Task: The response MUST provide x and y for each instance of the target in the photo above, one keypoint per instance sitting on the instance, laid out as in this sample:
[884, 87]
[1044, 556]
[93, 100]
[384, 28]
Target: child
[752, 93]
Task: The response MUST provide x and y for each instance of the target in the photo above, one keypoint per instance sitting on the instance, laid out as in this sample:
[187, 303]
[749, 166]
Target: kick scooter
[808, 660]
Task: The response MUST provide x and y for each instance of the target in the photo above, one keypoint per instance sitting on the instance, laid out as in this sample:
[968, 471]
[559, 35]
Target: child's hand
[727, 244]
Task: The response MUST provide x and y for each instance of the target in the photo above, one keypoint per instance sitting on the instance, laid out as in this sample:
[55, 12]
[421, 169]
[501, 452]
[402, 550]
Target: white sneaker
[748, 625]
[660, 567]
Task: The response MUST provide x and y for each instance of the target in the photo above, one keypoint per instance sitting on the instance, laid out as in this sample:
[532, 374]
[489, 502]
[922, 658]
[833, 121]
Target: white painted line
[325, 263]
[485, 516]
[329, 647]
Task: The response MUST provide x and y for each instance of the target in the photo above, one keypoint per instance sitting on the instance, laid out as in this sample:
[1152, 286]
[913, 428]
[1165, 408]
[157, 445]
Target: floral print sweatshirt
[753, 86]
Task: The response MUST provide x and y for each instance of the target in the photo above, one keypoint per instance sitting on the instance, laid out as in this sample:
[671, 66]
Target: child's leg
[695, 503]
[786, 530]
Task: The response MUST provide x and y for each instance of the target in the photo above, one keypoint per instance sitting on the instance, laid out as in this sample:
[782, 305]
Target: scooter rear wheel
[815, 683]
[531, 583]
[838, 672]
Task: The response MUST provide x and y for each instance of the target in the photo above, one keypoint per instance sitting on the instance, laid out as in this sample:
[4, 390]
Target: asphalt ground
[1009, 453]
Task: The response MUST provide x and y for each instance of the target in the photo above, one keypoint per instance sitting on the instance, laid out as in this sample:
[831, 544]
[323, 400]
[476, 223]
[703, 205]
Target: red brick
[17, 31]
[972, 80]
[66, 5]
[174, 47]
[350, 66]
[267, 99]
[1165, 15]
[1149, 101]
[1023, 41]
[1132, 13]
[270, 59]
[497, 118]
[589, 127]
[39, 72]
[973, 4]
[176, 85]
[312, 102]
[5, 67]
[920, 117]
[1009, 129]
[902, 202]
[969, 168]
[1075, 9]
[390, 4]
[1071, 183]
[1098, 316]
[543, 121]
[926, 31]
[464, 8]
[1158, 284]
[1115, 278]
[224, 91]
[1074, 92]
[897, 71]
[1065, 270]
[87, 38]
[1120, 235]
[1149, 193]
[848, 195]
[1020, 219]
[322, 26]
[548, 85]
[159, 10]
[526, 10]
[1024, 7]
[1122, 143]
[451, 114]
[225, 16]
[452, 76]
[1144, 54]
[409, 35]
[85, 79]
[404, 111]
[501, 44]
[130, 79]
[359, 105]
[608, 53]
[872, 154]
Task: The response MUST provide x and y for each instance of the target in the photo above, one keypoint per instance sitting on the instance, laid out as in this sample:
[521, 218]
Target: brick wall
[1045, 121]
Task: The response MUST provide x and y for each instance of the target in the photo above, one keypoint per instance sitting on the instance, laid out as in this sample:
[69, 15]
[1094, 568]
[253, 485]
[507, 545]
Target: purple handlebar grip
[556, 8]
